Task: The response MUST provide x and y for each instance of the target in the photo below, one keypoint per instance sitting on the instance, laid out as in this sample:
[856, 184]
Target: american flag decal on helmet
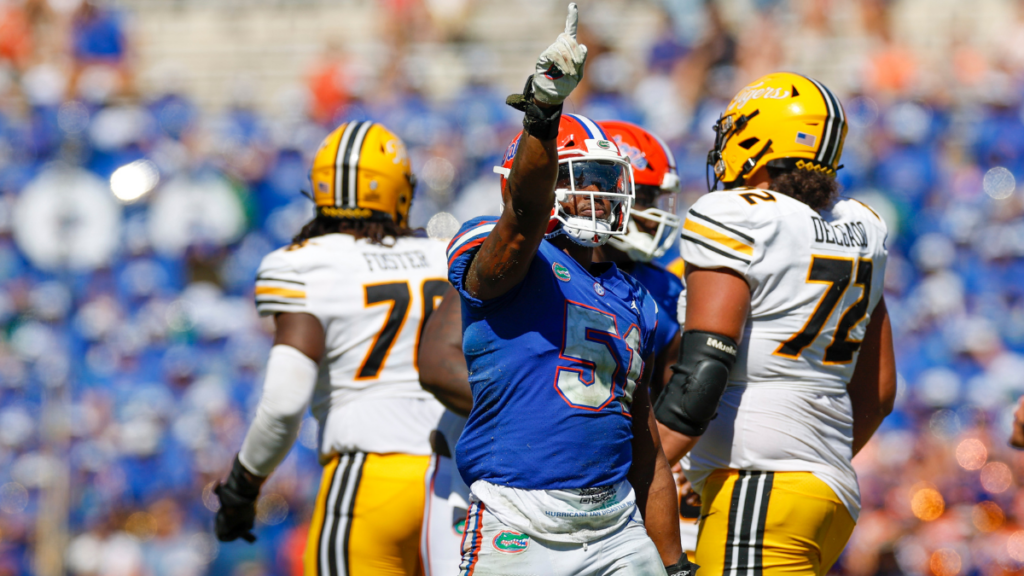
[806, 139]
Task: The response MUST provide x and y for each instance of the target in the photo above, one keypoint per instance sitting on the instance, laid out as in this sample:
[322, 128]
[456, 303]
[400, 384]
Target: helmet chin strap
[587, 238]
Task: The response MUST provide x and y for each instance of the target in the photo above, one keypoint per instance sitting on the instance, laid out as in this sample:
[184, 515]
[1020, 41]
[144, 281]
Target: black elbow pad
[690, 399]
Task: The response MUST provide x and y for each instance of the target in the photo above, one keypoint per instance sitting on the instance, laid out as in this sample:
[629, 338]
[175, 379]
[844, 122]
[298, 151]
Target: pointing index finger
[572, 20]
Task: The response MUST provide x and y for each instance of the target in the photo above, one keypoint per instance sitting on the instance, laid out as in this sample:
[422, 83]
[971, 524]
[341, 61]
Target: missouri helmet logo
[756, 92]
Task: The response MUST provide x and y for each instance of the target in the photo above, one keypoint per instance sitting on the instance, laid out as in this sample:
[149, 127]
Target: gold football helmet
[362, 172]
[783, 121]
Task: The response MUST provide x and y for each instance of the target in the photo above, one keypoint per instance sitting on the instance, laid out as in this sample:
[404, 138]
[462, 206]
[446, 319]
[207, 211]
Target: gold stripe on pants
[756, 523]
[368, 516]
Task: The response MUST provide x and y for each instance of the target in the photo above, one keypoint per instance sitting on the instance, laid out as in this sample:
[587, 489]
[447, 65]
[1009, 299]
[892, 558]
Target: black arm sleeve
[690, 399]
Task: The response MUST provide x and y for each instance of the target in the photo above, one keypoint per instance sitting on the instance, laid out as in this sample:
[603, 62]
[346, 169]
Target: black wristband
[682, 568]
[238, 486]
[541, 123]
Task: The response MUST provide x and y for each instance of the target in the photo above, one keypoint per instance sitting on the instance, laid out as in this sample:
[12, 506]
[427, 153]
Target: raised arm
[506, 254]
[529, 192]
[443, 370]
[872, 388]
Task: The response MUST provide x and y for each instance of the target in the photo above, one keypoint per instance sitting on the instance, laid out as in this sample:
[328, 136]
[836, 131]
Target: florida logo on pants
[511, 542]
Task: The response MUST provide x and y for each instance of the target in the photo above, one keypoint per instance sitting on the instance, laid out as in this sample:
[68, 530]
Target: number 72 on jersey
[835, 272]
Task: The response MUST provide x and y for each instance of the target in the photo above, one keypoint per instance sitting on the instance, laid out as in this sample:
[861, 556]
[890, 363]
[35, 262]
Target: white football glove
[560, 67]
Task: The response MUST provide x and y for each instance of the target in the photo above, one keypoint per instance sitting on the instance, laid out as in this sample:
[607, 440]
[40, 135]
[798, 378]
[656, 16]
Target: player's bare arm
[724, 303]
[300, 331]
[443, 370]
[872, 388]
[651, 477]
[506, 254]
[663, 366]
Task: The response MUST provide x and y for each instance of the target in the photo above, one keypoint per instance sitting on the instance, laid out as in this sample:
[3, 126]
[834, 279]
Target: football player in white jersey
[786, 337]
[349, 298]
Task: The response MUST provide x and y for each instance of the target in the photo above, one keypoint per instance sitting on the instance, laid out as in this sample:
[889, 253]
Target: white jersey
[372, 301]
[815, 278]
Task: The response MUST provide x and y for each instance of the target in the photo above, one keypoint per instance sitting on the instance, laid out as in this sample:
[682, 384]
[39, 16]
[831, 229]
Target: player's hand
[237, 514]
[687, 495]
[1017, 435]
[560, 67]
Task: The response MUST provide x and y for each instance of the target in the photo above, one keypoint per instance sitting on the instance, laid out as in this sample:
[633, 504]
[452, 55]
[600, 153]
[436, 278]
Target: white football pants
[491, 548]
[444, 518]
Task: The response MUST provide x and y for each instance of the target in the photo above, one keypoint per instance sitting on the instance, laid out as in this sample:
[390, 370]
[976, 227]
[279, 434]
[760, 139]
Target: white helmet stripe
[834, 127]
[339, 161]
[593, 130]
[826, 134]
[353, 162]
[837, 143]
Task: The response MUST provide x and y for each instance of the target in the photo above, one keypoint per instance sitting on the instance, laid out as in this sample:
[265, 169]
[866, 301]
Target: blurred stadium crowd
[132, 222]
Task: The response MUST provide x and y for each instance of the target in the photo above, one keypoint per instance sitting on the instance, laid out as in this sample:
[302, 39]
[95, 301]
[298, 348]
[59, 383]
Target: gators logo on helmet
[784, 121]
[362, 171]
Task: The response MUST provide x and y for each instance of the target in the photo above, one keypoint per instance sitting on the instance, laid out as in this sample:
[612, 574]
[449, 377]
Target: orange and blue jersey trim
[469, 239]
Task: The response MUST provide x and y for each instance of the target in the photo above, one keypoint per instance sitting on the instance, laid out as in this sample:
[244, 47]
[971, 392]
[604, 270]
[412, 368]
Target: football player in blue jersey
[653, 227]
[560, 449]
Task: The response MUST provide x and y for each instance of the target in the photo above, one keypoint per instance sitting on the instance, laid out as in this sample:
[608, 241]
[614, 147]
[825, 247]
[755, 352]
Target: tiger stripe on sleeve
[469, 238]
[718, 237]
[278, 287]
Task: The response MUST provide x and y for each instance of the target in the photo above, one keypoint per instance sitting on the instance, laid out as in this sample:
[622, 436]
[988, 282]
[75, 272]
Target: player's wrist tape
[241, 487]
[690, 399]
[541, 123]
[237, 512]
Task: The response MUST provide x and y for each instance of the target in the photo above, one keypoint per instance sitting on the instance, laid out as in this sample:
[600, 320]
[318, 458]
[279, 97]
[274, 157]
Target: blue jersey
[553, 365]
[665, 287]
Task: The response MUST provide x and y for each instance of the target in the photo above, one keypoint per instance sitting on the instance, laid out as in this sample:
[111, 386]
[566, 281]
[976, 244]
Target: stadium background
[152, 151]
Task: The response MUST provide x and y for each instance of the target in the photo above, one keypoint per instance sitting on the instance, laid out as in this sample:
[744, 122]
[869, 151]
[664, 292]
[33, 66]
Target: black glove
[541, 123]
[682, 568]
[237, 512]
